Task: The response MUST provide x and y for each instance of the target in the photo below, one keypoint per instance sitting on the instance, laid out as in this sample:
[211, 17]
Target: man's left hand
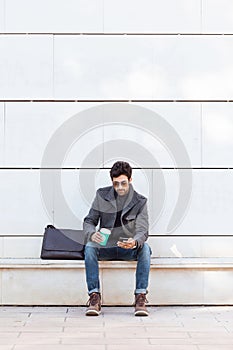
[130, 244]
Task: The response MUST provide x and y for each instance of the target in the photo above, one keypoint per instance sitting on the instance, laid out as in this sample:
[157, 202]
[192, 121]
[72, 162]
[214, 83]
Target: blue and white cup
[105, 234]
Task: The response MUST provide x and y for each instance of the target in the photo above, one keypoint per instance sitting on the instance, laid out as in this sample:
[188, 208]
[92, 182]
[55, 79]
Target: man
[122, 210]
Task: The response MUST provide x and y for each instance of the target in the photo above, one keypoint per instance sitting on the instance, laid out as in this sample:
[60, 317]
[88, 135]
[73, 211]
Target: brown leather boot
[94, 305]
[140, 307]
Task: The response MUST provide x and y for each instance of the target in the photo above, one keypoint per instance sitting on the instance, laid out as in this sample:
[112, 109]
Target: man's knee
[90, 251]
[145, 251]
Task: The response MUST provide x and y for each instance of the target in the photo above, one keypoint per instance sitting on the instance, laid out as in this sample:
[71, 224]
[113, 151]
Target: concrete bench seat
[158, 263]
[173, 281]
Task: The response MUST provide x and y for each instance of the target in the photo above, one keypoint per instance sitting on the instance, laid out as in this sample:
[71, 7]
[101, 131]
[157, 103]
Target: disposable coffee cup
[105, 234]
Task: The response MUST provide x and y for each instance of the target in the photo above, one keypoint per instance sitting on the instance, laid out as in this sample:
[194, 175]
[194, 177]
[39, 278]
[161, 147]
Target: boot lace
[93, 300]
[141, 299]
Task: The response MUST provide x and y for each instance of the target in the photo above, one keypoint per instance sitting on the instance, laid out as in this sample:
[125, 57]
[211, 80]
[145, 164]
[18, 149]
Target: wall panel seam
[201, 136]
[119, 100]
[201, 16]
[117, 34]
[102, 168]
[53, 65]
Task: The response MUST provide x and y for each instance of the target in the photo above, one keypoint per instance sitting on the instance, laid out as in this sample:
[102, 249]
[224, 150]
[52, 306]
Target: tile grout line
[53, 199]
[53, 78]
[4, 132]
[63, 328]
[201, 16]
[103, 137]
[19, 335]
[146, 331]
[227, 330]
[103, 14]
[191, 34]
[201, 132]
[101, 168]
[190, 337]
[127, 101]
[4, 15]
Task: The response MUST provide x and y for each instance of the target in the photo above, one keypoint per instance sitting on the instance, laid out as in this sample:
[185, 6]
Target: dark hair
[121, 168]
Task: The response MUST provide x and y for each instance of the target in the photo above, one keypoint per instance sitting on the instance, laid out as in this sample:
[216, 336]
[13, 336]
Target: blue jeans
[94, 253]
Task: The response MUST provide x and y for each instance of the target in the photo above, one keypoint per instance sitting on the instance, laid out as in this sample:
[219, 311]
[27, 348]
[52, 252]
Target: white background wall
[58, 58]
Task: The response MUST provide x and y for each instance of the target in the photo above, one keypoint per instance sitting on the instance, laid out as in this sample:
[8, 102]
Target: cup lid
[105, 230]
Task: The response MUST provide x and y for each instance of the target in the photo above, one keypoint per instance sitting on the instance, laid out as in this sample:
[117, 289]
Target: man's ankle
[140, 305]
[94, 304]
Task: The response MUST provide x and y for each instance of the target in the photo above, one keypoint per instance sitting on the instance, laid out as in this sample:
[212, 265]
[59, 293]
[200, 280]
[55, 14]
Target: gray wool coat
[134, 217]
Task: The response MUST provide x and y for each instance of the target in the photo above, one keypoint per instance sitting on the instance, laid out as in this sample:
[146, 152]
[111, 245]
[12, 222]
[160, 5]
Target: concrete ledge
[173, 281]
[156, 263]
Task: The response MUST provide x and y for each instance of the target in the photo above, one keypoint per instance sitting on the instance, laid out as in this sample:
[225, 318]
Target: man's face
[121, 184]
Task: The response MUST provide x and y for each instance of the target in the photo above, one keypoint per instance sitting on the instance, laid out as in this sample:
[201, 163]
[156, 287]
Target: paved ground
[167, 328]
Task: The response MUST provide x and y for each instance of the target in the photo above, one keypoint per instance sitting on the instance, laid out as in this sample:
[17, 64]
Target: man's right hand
[97, 237]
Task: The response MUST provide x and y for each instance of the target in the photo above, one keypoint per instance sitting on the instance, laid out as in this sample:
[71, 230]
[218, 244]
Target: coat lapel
[110, 197]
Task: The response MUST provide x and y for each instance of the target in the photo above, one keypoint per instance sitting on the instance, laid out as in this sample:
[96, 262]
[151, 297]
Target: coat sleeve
[142, 226]
[91, 220]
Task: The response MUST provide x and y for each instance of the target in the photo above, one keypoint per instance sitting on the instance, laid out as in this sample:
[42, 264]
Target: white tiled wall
[146, 137]
[106, 16]
[46, 16]
[29, 202]
[26, 67]
[116, 67]
[21, 208]
[103, 16]
[217, 131]
[107, 67]
[131, 16]
[217, 16]
[21, 247]
[143, 67]
[152, 16]
[1, 247]
[2, 16]
[44, 57]
[30, 127]
[193, 67]
[162, 246]
[209, 210]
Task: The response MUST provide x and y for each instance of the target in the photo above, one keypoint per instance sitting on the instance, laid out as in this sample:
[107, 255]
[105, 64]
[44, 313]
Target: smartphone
[123, 239]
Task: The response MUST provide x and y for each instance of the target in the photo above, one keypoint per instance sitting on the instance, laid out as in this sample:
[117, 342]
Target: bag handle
[50, 226]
